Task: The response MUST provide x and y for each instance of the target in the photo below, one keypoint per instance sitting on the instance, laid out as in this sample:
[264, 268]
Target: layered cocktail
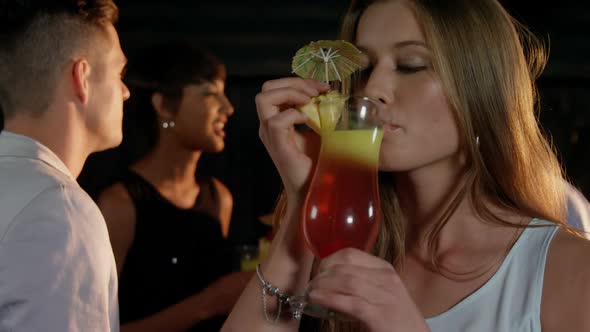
[342, 206]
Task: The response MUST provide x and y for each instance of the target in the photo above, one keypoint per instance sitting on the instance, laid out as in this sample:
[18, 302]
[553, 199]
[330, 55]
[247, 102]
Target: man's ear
[80, 79]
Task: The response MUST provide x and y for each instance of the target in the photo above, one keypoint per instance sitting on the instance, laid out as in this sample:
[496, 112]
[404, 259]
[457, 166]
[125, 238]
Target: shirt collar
[19, 146]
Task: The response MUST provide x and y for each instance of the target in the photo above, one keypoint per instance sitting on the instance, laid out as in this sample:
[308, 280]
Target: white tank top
[511, 299]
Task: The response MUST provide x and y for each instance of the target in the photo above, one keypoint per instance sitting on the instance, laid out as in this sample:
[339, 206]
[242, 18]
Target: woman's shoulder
[115, 202]
[566, 286]
[569, 252]
[115, 194]
[219, 203]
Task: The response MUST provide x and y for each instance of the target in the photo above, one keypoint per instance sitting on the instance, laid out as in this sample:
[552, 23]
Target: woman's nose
[228, 108]
[379, 86]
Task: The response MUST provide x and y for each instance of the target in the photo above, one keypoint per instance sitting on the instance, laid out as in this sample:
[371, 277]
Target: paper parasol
[326, 60]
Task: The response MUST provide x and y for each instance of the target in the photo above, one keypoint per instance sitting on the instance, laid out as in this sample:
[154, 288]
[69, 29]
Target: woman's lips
[220, 133]
[390, 127]
[218, 129]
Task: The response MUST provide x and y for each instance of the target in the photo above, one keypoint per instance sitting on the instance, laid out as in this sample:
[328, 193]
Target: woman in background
[167, 222]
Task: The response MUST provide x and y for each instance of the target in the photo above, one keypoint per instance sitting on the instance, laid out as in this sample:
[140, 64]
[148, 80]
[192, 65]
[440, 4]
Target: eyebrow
[410, 43]
[400, 45]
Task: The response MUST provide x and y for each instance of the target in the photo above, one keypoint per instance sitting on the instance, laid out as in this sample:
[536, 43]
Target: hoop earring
[168, 124]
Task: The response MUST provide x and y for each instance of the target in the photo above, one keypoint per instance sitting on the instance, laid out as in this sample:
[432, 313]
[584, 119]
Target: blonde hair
[487, 63]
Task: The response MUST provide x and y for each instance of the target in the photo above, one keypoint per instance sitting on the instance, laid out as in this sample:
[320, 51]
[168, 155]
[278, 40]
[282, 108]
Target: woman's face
[420, 129]
[201, 117]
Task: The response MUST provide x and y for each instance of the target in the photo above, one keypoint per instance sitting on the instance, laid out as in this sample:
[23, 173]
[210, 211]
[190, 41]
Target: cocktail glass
[342, 207]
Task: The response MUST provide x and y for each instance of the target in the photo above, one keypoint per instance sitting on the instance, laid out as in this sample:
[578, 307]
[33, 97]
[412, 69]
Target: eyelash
[403, 69]
[410, 69]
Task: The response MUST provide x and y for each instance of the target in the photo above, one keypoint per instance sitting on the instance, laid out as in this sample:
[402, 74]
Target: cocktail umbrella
[327, 60]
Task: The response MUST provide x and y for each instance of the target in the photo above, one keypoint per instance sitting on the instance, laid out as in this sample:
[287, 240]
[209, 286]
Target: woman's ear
[159, 106]
[80, 80]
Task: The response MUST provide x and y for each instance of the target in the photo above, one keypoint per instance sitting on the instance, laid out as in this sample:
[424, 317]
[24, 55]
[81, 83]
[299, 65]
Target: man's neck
[63, 140]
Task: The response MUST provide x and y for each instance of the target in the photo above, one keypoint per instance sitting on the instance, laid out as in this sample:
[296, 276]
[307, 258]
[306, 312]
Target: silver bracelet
[296, 302]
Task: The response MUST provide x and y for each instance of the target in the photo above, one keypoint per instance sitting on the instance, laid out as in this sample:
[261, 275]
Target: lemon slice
[324, 111]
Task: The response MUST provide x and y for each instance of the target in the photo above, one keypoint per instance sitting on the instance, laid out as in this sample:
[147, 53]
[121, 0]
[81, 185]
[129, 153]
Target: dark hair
[165, 68]
[37, 39]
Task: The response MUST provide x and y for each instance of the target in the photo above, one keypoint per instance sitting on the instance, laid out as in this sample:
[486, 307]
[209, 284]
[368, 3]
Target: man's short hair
[38, 39]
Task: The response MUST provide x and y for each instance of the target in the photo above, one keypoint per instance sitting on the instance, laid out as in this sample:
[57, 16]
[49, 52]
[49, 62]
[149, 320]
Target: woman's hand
[366, 288]
[293, 153]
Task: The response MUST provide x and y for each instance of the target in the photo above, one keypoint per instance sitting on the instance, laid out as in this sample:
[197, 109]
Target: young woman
[473, 235]
[167, 222]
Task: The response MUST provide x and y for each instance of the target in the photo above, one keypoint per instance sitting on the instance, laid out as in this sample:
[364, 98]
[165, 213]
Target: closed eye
[410, 69]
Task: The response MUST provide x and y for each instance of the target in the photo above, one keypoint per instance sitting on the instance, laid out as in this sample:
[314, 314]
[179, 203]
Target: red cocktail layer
[342, 208]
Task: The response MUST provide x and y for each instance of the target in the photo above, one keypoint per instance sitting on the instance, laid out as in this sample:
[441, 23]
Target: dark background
[256, 39]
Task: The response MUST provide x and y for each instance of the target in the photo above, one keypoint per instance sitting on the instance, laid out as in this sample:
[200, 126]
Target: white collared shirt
[57, 269]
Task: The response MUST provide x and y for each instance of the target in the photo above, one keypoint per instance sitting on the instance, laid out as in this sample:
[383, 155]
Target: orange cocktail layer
[342, 207]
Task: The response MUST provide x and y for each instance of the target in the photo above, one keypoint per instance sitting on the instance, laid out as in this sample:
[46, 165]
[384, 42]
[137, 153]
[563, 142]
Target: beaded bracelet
[296, 302]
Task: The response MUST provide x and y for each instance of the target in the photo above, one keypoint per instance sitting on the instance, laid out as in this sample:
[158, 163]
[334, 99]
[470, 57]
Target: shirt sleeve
[56, 267]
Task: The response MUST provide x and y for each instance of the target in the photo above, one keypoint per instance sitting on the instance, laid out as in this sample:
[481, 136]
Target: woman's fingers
[374, 286]
[352, 256]
[280, 125]
[272, 102]
[310, 86]
[280, 94]
[366, 288]
[287, 148]
[355, 272]
[269, 102]
[276, 107]
[349, 305]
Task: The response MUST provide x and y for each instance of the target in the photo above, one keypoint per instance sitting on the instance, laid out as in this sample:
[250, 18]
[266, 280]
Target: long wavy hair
[487, 63]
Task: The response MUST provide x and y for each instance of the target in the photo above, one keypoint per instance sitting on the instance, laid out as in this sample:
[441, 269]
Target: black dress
[175, 254]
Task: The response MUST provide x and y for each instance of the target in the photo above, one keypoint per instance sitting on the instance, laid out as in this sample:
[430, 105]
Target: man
[62, 97]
